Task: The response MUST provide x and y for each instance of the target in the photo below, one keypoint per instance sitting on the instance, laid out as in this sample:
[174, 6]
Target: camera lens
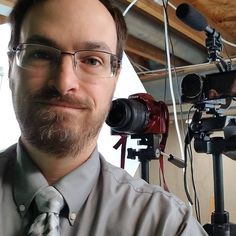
[192, 86]
[127, 116]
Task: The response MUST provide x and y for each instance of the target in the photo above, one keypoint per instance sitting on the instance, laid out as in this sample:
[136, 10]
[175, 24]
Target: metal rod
[218, 183]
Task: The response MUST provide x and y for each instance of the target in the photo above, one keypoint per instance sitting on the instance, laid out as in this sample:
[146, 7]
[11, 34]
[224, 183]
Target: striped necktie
[49, 203]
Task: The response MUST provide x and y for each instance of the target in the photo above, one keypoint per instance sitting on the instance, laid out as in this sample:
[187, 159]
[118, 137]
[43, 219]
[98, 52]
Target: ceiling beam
[9, 3]
[183, 70]
[202, 7]
[3, 19]
[5, 9]
[156, 11]
[149, 51]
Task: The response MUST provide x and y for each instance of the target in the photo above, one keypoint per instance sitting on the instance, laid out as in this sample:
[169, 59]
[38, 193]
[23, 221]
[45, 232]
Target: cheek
[103, 96]
[23, 85]
[13, 75]
[24, 82]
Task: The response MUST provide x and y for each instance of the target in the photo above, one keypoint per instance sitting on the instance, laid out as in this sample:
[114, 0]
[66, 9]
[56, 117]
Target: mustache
[50, 94]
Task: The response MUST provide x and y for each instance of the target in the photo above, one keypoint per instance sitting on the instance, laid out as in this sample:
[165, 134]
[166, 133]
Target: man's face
[62, 112]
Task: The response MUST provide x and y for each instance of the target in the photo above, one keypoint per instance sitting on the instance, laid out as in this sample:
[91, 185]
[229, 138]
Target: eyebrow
[95, 45]
[90, 45]
[42, 40]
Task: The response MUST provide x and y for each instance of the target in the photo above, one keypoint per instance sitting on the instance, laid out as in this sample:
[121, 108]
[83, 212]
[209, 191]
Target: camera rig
[211, 96]
[202, 130]
[147, 121]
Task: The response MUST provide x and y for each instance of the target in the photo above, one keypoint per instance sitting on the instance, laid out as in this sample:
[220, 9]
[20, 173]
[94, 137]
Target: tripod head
[201, 129]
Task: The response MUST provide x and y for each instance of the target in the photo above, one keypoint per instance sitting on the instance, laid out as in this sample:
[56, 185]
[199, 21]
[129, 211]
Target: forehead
[70, 23]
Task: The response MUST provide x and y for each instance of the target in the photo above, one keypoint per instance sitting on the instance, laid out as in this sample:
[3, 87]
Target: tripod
[152, 143]
[220, 225]
[151, 152]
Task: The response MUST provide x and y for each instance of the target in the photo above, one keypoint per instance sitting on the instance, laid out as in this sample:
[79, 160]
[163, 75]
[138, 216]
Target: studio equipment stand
[201, 130]
[151, 152]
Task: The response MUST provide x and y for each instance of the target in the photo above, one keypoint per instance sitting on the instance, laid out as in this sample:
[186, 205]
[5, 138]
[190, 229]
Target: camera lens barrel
[128, 116]
[192, 88]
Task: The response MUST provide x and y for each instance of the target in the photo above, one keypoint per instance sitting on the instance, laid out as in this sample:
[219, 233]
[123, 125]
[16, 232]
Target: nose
[65, 79]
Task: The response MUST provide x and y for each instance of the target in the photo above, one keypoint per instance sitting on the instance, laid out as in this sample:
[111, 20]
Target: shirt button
[73, 216]
[22, 208]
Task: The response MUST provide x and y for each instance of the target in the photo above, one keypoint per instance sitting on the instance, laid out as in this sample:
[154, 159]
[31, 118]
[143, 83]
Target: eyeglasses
[44, 60]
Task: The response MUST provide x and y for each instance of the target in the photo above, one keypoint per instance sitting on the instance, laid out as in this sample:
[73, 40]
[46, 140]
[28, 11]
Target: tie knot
[49, 200]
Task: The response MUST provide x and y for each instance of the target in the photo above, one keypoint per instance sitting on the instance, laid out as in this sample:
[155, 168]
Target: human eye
[91, 61]
[91, 58]
[39, 54]
[32, 56]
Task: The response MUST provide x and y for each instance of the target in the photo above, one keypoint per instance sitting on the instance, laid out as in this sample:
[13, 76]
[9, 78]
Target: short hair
[21, 8]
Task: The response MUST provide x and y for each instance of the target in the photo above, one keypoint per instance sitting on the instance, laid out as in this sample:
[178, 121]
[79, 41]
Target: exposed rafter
[150, 52]
[9, 3]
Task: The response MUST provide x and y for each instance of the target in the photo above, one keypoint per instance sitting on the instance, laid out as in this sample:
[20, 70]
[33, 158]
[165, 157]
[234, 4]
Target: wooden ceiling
[220, 14]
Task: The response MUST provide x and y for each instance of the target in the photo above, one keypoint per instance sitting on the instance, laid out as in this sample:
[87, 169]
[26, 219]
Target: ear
[10, 76]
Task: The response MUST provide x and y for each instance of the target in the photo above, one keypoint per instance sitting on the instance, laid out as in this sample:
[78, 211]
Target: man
[64, 64]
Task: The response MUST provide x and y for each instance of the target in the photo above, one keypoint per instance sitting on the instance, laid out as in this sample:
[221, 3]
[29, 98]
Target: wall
[203, 172]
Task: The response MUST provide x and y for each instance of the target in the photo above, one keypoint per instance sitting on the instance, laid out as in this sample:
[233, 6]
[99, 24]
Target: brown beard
[48, 130]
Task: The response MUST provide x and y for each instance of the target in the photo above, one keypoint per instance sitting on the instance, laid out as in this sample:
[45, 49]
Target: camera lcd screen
[220, 85]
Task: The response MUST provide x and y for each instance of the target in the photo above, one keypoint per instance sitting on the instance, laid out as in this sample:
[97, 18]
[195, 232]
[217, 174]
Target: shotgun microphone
[193, 18]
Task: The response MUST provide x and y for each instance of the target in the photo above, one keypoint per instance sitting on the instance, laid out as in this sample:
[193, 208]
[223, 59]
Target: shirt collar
[75, 186]
[27, 180]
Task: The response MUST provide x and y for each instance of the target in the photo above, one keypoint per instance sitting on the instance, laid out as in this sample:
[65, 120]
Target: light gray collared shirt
[101, 200]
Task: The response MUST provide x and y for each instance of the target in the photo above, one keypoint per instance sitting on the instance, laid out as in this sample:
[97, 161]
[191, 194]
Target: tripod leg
[218, 183]
[219, 218]
[145, 170]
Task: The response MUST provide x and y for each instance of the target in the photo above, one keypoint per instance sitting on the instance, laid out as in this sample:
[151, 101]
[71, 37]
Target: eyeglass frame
[73, 54]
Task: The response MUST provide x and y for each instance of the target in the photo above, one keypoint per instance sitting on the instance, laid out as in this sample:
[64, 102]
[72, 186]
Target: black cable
[160, 180]
[189, 153]
[186, 167]
[185, 175]
[196, 200]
